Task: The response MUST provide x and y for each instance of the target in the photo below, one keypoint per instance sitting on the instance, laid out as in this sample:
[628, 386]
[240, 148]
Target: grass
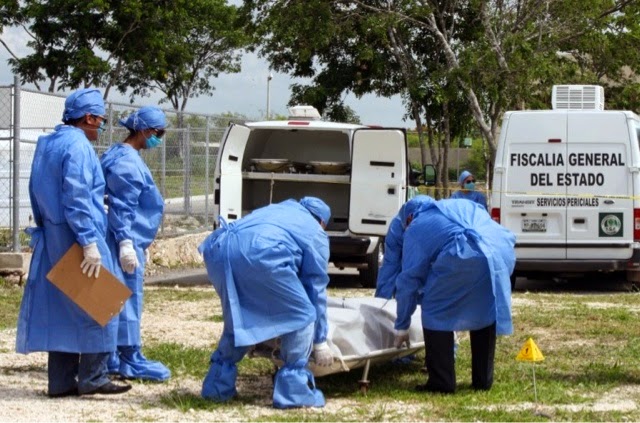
[164, 295]
[591, 344]
[174, 185]
[10, 297]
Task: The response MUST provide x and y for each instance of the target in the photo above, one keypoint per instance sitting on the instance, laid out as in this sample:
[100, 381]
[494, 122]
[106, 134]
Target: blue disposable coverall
[270, 271]
[462, 261]
[469, 194]
[66, 189]
[135, 213]
[391, 264]
[475, 196]
[456, 261]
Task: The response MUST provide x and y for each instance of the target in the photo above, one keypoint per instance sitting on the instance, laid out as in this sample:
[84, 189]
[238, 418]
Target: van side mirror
[429, 175]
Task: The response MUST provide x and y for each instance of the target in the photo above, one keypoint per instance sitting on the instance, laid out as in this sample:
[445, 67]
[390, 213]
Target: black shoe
[110, 388]
[70, 393]
[427, 388]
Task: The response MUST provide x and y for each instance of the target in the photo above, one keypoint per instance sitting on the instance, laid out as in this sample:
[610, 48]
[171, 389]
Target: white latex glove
[322, 354]
[128, 257]
[147, 256]
[92, 260]
[401, 338]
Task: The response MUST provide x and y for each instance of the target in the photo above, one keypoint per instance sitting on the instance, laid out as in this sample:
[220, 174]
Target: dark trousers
[440, 359]
[69, 371]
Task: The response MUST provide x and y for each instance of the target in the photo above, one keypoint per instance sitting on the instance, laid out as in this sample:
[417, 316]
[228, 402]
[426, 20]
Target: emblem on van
[610, 225]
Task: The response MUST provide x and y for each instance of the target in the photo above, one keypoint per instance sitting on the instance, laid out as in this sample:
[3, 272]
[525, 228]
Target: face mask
[102, 127]
[153, 141]
[470, 186]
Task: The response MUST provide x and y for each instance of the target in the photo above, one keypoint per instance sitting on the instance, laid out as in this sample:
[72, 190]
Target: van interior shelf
[297, 177]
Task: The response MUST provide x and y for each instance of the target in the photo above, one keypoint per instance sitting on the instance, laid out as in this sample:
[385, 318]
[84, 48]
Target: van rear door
[533, 204]
[230, 171]
[378, 179]
[599, 182]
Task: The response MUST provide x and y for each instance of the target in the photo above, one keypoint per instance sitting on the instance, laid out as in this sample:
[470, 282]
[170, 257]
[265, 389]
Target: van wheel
[369, 276]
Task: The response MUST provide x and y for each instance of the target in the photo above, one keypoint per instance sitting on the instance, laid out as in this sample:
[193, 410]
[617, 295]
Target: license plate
[534, 225]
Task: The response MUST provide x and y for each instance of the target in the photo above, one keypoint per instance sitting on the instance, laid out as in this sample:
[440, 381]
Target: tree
[64, 35]
[193, 42]
[497, 54]
[350, 47]
[138, 46]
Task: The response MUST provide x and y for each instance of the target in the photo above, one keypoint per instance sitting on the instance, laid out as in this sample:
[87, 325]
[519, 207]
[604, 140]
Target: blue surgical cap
[464, 175]
[412, 206]
[145, 118]
[317, 207]
[82, 102]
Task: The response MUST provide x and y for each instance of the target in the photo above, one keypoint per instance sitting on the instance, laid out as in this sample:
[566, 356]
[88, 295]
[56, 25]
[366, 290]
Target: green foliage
[136, 46]
[477, 160]
[223, 120]
[192, 42]
[413, 140]
[6, 239]
[10, 297]
[64, 37]
[458, 65]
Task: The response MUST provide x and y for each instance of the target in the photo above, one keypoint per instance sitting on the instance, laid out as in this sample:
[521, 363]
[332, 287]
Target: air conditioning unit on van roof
[304, 113]
[577, 97]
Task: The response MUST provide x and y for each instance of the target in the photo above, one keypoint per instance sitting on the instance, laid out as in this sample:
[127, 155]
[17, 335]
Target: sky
[244, 92]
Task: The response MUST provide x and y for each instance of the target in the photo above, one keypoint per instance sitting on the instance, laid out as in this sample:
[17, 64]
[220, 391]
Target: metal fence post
[187, 171]
[110, 118]
[163, 177]
[206, 172]
[16, 165]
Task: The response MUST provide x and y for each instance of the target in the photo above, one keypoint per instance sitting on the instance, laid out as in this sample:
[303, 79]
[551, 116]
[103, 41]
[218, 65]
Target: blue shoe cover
[220, 382]
[295, 387]
[134, 365]
[407, 359]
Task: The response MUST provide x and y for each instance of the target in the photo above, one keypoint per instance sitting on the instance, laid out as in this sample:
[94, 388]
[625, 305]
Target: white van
[360, 172]
[567, 183]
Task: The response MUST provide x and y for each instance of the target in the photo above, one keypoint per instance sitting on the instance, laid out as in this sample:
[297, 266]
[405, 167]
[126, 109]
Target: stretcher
[360, 334]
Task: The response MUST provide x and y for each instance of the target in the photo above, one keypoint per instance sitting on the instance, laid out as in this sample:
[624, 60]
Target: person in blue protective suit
[461, 260]
[68, 209]
[135, 213]
[467, 183]
[270, 270]
[391, 263]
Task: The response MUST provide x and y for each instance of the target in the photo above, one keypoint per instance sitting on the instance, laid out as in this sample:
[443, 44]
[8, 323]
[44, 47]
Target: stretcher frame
[342, 364]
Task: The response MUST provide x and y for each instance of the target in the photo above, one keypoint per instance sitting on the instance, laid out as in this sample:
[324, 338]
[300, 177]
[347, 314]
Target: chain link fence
[182, 166]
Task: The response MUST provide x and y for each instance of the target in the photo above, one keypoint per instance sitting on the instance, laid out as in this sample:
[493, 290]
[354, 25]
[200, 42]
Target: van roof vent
[304, 113]
[577, 97]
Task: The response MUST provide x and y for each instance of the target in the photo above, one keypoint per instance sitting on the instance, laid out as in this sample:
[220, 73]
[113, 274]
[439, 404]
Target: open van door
[230, 168]
[378, 179]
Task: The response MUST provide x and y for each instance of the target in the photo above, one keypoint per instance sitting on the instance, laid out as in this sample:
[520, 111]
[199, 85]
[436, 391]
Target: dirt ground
[23, 379]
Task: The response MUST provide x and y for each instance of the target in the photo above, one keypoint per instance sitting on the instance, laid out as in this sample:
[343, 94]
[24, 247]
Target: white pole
[269, 78]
